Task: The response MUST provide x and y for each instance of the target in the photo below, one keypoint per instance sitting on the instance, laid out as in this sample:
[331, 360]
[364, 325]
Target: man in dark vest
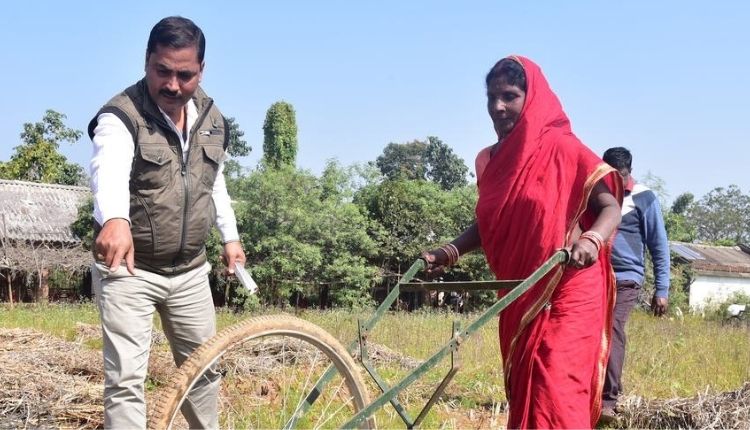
[158, 184]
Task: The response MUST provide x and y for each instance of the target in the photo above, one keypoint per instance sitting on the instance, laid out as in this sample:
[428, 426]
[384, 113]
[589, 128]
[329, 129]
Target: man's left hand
[659, 305]
[232, 254]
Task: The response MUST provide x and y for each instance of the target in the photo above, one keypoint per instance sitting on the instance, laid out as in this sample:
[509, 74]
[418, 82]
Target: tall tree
[335, 182]
[658, 186]
[722, 216]
[238, 147]
[403, 160]
[432, 160]
[682, 203]
[280, 135]
[412, 216]
[444, 167]
[678, 227]
[83, 226]
[37, 159]
[302, 234]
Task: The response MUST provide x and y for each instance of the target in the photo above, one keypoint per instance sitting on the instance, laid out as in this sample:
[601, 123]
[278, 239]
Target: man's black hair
[618, 158]
[176, 32]
[510, 70]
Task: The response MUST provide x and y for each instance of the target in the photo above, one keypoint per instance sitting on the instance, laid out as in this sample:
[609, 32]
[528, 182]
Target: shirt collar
[192, 115]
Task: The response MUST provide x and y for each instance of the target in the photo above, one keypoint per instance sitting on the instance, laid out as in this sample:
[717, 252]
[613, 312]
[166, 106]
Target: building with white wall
[719, 271]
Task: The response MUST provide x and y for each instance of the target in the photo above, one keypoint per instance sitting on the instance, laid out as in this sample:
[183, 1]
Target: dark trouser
[627, 297]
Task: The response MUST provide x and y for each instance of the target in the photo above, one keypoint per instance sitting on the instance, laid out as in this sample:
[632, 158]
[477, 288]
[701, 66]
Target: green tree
[302, 235]
[335, 182]
[238, 147]
[432, 160]
[722, 216]
[682, 203]
[403, 160]
[83, 226]
[658, 186]
[37, 159]
[280, 135]
[412, 216]
[444, 167]
[677, 225]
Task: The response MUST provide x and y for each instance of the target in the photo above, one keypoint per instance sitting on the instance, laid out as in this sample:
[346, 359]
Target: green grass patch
[665, 358]
[56, 319]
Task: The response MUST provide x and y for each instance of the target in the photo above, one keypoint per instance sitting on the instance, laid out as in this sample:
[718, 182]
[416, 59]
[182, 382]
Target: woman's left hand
[583, 254]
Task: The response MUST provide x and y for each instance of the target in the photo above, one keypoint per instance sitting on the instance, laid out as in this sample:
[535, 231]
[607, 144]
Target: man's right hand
[659, 305]
[115, 243]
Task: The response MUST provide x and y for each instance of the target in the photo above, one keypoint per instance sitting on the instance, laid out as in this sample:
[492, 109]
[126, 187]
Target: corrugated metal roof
[731, 259]
[39, 212]
[684, 251]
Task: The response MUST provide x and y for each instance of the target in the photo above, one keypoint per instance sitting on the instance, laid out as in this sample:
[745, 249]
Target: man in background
[641, 228]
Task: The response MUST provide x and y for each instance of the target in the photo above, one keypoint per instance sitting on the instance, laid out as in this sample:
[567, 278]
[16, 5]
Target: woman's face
[504, 104]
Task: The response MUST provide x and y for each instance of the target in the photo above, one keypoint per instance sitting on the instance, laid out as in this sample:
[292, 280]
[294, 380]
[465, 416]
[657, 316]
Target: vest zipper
[184, 170]
[186, 177]
[186, 202]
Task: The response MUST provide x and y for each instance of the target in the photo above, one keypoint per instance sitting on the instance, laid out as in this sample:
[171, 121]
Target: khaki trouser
[126, 306]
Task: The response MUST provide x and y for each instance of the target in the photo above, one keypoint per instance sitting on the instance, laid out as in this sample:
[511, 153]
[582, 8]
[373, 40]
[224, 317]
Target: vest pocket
[142, 227]
[214, 155]
[152, 167]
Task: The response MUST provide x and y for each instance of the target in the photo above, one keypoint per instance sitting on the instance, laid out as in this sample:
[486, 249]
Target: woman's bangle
[594, 238]
[454, 250]
[451, 252]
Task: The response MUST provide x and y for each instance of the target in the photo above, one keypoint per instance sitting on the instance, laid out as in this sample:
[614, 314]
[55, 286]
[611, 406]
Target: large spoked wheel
[269, 365]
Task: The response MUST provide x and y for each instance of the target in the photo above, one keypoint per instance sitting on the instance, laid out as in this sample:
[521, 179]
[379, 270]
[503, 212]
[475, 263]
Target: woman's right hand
[436, 260]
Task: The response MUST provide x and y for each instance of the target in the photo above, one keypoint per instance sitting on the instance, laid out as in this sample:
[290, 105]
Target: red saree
[533, 196]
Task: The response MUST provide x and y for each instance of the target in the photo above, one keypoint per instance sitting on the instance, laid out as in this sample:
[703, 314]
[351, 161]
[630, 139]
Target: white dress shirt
[110, 173]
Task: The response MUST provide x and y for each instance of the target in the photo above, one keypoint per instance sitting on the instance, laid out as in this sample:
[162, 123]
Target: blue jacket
[642, 228]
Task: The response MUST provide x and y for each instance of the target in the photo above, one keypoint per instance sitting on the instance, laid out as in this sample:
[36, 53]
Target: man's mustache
[171, 94]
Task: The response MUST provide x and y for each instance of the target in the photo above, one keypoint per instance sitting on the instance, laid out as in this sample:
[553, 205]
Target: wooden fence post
[10, 288]
[43, 291]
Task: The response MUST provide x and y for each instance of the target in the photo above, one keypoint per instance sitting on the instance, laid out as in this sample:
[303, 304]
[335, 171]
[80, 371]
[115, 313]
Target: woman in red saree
[541, 189]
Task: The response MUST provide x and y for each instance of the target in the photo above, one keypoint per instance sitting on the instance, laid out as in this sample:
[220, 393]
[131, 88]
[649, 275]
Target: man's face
[172, 76]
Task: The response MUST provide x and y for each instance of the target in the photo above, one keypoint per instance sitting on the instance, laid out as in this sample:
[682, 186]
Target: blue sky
[670, 79]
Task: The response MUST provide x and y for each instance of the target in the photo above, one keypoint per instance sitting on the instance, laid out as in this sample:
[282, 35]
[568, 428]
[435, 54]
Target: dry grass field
[679, 372]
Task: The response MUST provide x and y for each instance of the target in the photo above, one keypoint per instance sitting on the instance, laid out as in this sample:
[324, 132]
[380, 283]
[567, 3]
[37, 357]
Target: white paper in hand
[245, 279]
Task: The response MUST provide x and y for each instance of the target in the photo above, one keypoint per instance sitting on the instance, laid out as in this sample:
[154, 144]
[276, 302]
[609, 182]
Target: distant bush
[718, 310]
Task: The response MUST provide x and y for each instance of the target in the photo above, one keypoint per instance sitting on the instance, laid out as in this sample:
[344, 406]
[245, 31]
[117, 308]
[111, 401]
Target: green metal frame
[459, 336]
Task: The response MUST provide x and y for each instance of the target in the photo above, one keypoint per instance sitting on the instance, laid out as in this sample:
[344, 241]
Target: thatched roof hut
[35, 232]
[37, 212]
